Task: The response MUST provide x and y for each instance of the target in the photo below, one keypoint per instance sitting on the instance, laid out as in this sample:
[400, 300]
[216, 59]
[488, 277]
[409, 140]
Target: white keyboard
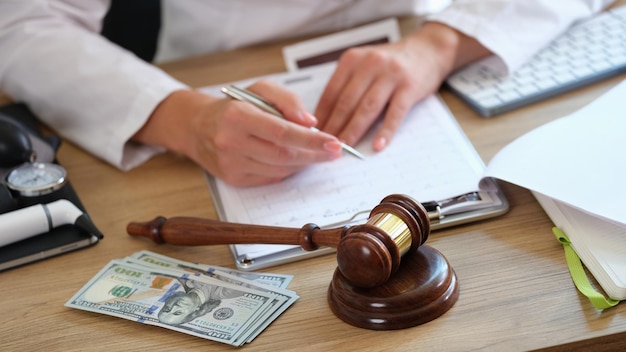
[589, 51]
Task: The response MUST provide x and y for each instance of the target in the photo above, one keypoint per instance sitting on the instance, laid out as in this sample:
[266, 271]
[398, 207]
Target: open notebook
[576, 167]
[430, 159]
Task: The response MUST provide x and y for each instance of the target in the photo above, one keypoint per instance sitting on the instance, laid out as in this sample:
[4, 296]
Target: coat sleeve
[514, 30]
[87, 89]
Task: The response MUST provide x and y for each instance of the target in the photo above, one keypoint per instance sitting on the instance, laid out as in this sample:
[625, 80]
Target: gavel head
[368, 254]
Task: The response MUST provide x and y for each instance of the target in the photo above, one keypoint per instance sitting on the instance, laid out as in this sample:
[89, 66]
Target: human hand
[389, 79]
[238, 142]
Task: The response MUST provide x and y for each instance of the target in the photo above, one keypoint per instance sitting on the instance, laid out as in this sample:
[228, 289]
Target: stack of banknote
[214, 303]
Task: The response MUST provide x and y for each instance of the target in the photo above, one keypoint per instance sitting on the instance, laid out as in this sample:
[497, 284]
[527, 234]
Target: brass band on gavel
[396, 228]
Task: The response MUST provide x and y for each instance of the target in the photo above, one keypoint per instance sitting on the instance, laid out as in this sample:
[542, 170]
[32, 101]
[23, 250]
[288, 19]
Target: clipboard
[430, 159]
[272, 255]
[60, 240]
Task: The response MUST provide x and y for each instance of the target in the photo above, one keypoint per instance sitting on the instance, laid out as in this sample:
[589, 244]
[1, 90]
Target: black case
[59, 240]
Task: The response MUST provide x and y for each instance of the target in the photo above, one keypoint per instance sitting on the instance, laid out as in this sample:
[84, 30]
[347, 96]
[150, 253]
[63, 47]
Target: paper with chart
[429, 159]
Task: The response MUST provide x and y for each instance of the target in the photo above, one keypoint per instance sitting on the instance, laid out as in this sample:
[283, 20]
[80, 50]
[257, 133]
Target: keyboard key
[564, 77]
[509, 95]
[528, 89]
[489, 102]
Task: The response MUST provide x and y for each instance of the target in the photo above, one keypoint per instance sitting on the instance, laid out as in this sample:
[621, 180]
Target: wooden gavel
[367, 254]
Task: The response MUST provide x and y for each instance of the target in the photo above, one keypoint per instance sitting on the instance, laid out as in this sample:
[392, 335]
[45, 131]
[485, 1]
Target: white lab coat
[98, 95]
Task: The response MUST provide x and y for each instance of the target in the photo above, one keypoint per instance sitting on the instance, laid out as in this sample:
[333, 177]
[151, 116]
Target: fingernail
[380, 143]
[332, 146]
[307, 118]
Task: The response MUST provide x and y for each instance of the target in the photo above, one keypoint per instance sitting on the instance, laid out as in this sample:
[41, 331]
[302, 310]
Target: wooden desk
[516, 292]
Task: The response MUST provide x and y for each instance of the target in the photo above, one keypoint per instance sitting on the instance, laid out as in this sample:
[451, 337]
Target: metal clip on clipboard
[464, 202]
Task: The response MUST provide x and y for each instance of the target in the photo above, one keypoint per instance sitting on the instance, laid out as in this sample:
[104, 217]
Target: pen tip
[353, 151]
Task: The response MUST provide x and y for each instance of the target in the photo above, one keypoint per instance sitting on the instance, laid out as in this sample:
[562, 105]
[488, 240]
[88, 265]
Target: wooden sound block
[423, 288]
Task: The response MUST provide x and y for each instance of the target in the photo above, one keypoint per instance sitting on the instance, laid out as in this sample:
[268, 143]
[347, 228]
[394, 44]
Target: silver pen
[247, 96]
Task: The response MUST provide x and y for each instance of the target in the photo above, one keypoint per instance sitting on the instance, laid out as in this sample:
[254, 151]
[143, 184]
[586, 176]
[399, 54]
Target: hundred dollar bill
[278, 305]
[276, 280]
[188, 303]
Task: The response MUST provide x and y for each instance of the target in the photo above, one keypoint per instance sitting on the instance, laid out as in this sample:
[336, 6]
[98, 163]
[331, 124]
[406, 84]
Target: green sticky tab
[579, 276]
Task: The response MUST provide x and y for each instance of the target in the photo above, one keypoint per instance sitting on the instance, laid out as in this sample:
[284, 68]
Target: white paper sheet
[579, 159]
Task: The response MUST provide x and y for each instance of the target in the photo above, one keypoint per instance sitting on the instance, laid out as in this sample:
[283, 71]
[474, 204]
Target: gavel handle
[190, 231]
